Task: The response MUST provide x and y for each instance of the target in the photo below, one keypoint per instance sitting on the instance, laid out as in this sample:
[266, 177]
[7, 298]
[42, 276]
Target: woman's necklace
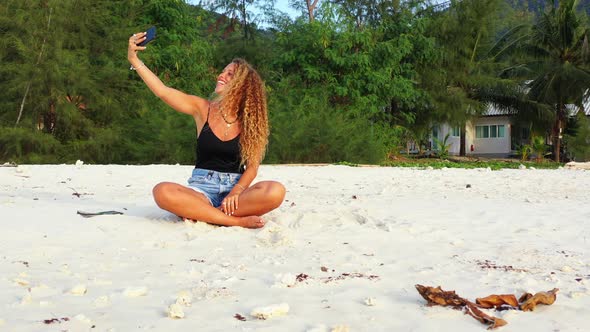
[228, 124]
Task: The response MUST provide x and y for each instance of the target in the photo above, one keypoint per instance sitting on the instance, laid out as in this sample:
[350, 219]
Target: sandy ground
[343, 252]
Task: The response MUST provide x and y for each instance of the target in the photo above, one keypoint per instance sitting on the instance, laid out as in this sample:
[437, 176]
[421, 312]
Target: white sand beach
[344, 251]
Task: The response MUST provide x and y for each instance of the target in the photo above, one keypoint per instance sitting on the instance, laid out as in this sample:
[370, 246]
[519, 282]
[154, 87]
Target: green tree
[361, 69]
[56, 65]
[77, 87]
[475, 40]
[560, 68]
[577, 137]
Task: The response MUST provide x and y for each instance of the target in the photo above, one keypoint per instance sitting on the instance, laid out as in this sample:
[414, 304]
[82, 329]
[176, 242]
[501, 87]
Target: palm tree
[476, 38]
[559, 41]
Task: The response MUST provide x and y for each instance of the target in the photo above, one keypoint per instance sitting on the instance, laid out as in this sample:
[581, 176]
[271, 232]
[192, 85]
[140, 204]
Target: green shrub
[310, 130]
[578, 142]
[28, 146]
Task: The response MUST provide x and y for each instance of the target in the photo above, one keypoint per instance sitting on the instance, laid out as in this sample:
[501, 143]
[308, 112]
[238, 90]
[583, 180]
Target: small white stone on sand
[184, 298]
[270, 311]
[39, 288]
[44, 303]
[522, 166]
[222, 292]
[78, 290]
[318, 328]
[175, 311]
[340, 328]
[566, 269]
[83, 318]
[284, 280]
[574, 295]
[552, 277]
[370, 301]
[100, 282]
[102, 301]
[79, 163]
[20, 281]
[189, 236]
[135, 291]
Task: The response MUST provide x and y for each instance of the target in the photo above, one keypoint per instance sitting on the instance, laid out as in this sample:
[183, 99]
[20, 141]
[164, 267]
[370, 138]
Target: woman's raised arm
[178, 100]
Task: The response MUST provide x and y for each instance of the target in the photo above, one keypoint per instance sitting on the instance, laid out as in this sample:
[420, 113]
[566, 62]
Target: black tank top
[217, 155]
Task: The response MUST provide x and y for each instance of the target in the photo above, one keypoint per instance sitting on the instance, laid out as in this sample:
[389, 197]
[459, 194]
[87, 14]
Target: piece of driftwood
[527, 302]
[497, 301]
[99, 213]
[539, 298]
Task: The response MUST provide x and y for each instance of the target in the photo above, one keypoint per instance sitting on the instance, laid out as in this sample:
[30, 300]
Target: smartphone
[150, 35]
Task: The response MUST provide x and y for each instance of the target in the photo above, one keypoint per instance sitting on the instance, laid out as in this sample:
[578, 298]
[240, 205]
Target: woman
[232, 133]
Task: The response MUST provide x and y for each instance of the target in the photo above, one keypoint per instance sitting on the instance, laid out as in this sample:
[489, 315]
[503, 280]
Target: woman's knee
[276, 193]
[163, 193]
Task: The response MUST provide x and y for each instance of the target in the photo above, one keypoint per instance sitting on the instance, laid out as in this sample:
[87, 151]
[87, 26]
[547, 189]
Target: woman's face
[225, 77]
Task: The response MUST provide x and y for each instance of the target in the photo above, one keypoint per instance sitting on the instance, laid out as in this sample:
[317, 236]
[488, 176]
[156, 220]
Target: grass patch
[494, 164]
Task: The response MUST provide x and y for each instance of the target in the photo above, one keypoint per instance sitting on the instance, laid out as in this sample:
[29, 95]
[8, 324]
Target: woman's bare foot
[247, 222]
[252, 222]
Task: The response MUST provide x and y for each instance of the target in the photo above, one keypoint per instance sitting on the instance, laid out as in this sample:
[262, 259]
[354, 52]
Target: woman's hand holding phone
[150, 35]
[132, 48]
[138, 42]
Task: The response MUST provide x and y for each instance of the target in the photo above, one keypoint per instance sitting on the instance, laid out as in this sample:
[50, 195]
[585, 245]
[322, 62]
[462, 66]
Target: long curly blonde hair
[246, 96]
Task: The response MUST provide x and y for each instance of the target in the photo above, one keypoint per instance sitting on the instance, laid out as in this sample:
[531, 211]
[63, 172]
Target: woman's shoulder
[202, 106]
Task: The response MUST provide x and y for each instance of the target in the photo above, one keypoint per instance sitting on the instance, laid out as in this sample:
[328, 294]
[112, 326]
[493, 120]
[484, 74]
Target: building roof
[492, 110]
[572, 109]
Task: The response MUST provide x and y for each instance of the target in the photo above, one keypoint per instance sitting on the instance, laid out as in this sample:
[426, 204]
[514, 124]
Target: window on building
[435, 131]
[478, 131]
[491, 131]
[501, 130]
[456, 131]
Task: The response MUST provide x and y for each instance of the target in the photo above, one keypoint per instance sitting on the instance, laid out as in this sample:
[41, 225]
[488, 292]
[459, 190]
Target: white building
[488, 135]
[492, 134]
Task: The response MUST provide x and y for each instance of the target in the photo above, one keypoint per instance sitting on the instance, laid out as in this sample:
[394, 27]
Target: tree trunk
[244, 14]
[462, 142]
[22, 104]
[557, 132]
[557, 141]
[310, 8]
[50, 118]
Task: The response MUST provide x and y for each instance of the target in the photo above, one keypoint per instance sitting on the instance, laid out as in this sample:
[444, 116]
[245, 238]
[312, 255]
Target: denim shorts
[214, 185]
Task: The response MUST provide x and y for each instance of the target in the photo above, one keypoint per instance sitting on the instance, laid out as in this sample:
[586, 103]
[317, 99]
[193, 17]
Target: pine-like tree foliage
[72, 75]
[361, 64]
[472, 35]
[353, 85]
[577, 138]
[560, 70]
